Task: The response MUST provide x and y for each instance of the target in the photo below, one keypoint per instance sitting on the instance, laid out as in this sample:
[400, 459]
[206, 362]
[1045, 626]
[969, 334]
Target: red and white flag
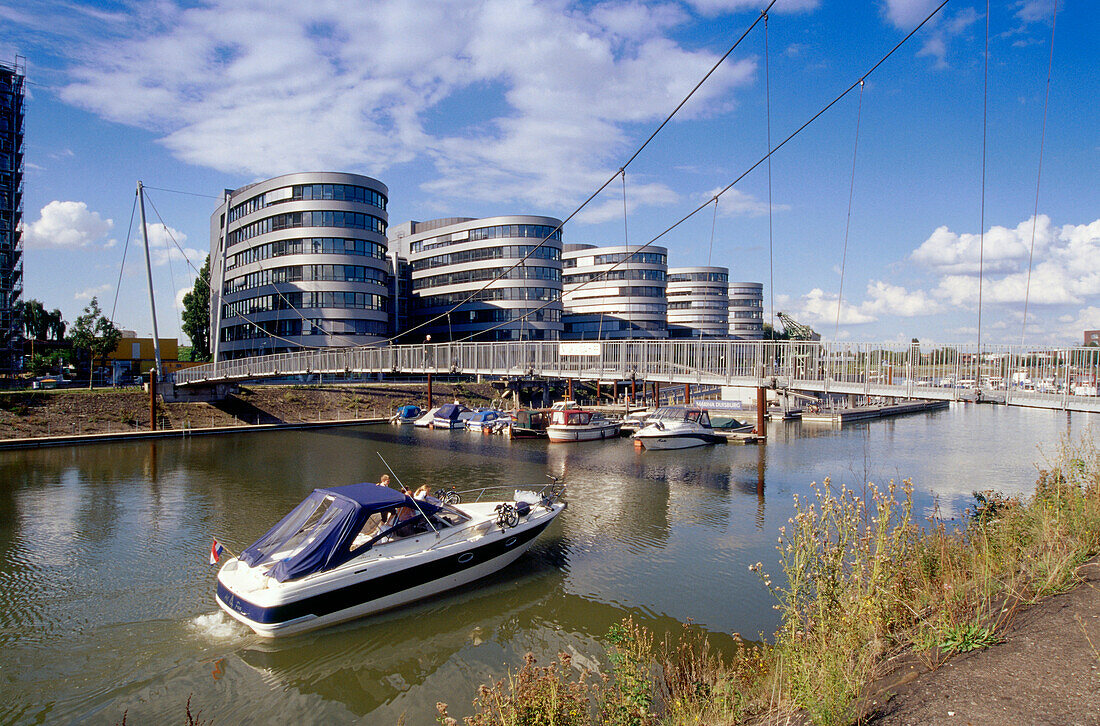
[216, 552]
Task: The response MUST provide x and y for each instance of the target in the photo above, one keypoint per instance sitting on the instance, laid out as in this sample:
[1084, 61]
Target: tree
[56, 324]
[196, 314]
[94, 333]
[36, 320]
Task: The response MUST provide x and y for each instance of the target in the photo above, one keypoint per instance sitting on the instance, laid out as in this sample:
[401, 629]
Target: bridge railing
[905, 369]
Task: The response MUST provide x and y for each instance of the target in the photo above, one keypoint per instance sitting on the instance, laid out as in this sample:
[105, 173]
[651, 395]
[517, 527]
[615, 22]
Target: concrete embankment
[76, 416]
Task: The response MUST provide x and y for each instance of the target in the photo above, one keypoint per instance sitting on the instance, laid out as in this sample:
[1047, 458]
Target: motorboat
[529, 423]
[483, 420]
[677, 427]
[350, 551]
[575, 424]
[636, 420]
[406, 414]
[450, 416]
[426, 420]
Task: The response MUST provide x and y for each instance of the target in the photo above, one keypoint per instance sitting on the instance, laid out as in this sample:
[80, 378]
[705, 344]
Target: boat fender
[523, 509]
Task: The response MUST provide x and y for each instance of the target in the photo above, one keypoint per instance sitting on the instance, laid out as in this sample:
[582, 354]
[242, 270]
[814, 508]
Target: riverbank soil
[27, 414]
[1047, 671]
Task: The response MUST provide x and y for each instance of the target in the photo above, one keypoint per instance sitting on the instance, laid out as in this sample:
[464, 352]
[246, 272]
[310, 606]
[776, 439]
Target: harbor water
[107, 601]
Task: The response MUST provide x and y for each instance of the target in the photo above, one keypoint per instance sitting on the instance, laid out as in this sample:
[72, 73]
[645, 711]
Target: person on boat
[384, 481]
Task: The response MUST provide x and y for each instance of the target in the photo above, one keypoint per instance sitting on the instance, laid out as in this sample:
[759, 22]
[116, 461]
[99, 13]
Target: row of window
[530, 231]
[616, 293]
[747, 303]
[611, 325]
[574, 308]
[746, 291]
[541, 294]
[698, 277]
[301, 300]
[299, 273]
[697, 305]
[488, 253]
[516, 273]
[695, 320]
[632, 274]
[503, 315]
[307, 246]
[642, 258]
[698, 292]
[746, 314]
[328, 192]
[312, 326]
[327, 218]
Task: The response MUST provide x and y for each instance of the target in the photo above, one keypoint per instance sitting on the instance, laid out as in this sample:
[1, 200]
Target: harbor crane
[796, 330]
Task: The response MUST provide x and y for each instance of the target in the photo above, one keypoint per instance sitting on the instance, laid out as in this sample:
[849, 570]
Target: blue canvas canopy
[485, 416]
[450, 411]
[317, 535]
[408, 411]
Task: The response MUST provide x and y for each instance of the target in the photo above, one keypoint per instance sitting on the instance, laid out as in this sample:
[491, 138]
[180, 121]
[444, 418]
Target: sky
[486, 107]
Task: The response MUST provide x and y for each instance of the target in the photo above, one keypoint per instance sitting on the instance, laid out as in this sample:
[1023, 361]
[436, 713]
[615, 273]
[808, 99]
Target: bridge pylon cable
[768, 109]
[1039, 175]
[848, 222]
[981, 225]
[125, 248]
[748, 171]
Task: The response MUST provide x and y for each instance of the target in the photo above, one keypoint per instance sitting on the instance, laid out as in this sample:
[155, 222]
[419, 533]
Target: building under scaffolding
[11, 215]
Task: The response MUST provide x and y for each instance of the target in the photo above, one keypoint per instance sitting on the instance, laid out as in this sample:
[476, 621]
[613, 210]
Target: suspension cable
[125, 247]
[848, 223]
[748, 171]
[1039, 176]
[981, 230]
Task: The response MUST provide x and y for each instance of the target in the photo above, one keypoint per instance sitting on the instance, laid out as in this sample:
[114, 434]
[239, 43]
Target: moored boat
[451, 416]
[406, 414]
[484, 420]
[677, 427]
[426, 420]
[529, 423]
[574, 424]
[349, 551]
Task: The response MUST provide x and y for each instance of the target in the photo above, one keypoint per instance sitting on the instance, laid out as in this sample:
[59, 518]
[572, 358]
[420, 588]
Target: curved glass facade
[450, 260]
[698, 302]
[746, 310]
[613, 293]
[300, 260]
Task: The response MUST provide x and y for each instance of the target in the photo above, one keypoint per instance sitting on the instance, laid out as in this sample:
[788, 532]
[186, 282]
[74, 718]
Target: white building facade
[299, 261]
[698, 302]
[614, 292]
[746, 310]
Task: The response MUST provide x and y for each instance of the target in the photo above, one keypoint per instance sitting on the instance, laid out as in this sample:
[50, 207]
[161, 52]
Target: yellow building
[139, 353]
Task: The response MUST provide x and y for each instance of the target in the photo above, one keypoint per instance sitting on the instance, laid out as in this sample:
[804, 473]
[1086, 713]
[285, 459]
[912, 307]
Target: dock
[733, 437]
[861, 413]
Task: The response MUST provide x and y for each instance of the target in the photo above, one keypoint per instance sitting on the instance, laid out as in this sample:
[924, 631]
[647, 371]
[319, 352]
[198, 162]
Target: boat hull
[372, 595]
[565, 433]
[685, 441]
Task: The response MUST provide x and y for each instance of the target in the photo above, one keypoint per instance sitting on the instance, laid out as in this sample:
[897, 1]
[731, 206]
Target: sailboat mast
[149, 277]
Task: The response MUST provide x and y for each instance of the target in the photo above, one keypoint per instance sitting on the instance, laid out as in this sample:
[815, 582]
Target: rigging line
[713, 223]
[1039, 176]
[594, 194]
[771, 246]
[125, 247]
[179, 191]
[626, 244]
[848, 223]
[981, 229]
[205, 281]
[748, 171]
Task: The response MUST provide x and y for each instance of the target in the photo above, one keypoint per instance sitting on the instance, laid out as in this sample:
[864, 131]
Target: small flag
[216, 550]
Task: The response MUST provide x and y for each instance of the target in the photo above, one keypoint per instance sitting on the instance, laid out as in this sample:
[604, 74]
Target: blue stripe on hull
[374, 588]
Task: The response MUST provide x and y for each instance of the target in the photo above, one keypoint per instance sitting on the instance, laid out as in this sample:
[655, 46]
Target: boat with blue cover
[483, 420]
[451, 416]
[350, 551]
[407, 414]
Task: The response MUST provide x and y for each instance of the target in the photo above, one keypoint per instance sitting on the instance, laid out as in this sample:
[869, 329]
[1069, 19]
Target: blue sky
[478, 108]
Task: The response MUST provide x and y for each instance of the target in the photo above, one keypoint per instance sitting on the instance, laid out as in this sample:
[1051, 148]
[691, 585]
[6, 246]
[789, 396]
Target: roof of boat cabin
[367, 494]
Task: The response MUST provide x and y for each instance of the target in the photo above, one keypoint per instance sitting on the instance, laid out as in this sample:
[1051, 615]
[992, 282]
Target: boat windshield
[572, 418]
[677, 413]
[299, 529]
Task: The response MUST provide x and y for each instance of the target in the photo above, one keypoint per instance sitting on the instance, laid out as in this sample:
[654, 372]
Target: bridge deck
[1064, 378]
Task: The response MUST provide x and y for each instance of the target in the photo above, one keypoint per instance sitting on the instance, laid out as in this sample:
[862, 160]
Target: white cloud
[264, 88]
[90, 292]
[818, 307]
[948, 252]
[905, 14]
[736, 203]
[939, 31]
[66, 224]
[720, 7]
[163, 249]
[887, 299]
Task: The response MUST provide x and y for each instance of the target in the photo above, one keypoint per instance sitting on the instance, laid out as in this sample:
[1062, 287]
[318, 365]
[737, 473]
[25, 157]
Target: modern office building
[698, 302]
[457, 260]
[299, 261]
[746, 310]
[12, 88]
[614, 292]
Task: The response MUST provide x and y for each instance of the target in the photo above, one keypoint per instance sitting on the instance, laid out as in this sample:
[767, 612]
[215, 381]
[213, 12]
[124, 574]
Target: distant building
[12, 89]
[746, 310]
[452, 259]
[614, 292]
[698, 302]
[136, 355]
[1092, 337]
[298, 261]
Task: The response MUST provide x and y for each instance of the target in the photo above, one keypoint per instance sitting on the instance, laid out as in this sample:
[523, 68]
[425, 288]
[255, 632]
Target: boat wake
[216, 626]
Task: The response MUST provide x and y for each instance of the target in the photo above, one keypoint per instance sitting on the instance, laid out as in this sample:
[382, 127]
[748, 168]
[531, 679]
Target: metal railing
[1062, 378]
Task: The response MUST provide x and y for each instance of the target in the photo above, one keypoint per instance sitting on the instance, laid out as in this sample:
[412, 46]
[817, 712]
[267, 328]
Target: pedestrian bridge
[1059, 378]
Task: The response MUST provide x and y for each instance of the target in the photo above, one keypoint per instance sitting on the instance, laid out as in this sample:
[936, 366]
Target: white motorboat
[452, 416]
[350, 551]
[426, 420]
[677, 427]
[575, 424]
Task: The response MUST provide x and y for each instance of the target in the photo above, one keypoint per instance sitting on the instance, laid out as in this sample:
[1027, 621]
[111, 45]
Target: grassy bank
[861, 581]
